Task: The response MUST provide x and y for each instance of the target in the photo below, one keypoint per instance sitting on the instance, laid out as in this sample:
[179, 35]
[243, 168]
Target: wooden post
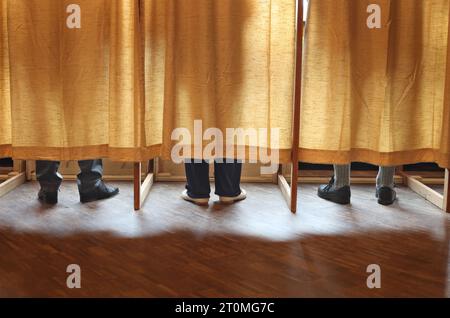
[400, 170]
[297, 106]
[141, 189]
[137, 185]
[446, 205]
[30, 168]
[290, 192]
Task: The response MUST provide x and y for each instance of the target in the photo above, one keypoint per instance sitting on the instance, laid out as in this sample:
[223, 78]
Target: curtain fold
[138, 69]
[5, 93]
[376, 95]
[445, 136]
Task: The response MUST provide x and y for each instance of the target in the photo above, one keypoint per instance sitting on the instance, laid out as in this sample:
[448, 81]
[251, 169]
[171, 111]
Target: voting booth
[119, 79]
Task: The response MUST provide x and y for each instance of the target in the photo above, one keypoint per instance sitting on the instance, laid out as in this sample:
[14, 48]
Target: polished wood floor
[251, 249]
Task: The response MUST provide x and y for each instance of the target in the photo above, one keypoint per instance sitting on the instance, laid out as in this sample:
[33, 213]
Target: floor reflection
[255, 248]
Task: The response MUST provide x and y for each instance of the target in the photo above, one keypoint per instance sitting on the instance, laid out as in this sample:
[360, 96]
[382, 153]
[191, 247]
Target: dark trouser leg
[47, 175]
[197, 175]
[90, 175]
[385, 177]
[228, 178]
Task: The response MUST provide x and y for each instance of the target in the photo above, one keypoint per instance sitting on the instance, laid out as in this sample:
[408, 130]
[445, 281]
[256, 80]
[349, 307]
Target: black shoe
[48, 196]
[100, 192]
[340, 196]
[386, 196]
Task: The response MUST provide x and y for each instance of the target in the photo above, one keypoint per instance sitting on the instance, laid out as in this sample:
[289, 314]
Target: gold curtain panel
[228, 63]
[138, 69]
[135, 70]
[376, 95]
[75, 93]
[5, 93]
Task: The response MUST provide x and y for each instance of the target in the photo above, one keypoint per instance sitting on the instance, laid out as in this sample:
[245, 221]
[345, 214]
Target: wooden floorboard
[254, 248]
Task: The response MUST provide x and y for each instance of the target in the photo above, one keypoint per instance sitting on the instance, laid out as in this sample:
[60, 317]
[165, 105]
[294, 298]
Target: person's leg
[91, 173]
[47, 174]
[385, 177]
[90, 183]
[49, 179]
[385, 186]
[228, 180]
[197, 186]
[338, 189]
[341, 176]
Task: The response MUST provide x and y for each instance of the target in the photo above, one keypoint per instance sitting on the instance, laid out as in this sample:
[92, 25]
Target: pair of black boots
[385, 195]
[100, 192]
[90, 184]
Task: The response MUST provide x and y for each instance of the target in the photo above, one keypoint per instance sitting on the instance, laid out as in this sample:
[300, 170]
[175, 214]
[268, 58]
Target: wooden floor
[254, 248]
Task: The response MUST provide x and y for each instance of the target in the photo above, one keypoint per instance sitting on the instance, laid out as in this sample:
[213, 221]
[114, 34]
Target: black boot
[99, 192]
[340, 196]
[386, 196]
[48, 196]
[49, 180]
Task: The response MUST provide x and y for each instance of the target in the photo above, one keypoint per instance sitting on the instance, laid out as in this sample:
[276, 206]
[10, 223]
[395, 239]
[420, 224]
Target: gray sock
[385, 177]
[341, 176]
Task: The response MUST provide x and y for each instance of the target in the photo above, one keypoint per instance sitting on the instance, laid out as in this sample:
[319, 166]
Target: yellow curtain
[228, 63]
[5, 97]
[75, 93]
[136, 70]
[376, 95]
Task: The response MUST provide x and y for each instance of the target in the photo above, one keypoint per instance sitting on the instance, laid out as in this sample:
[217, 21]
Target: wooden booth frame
[142, 189]
[12, 177]
[420, 182]
[416, 182]
[289, 191]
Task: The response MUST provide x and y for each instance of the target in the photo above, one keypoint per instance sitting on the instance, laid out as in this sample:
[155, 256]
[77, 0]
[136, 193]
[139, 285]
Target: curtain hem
[374, 157]
[244, 153]
[117, 154]
[80, 153]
